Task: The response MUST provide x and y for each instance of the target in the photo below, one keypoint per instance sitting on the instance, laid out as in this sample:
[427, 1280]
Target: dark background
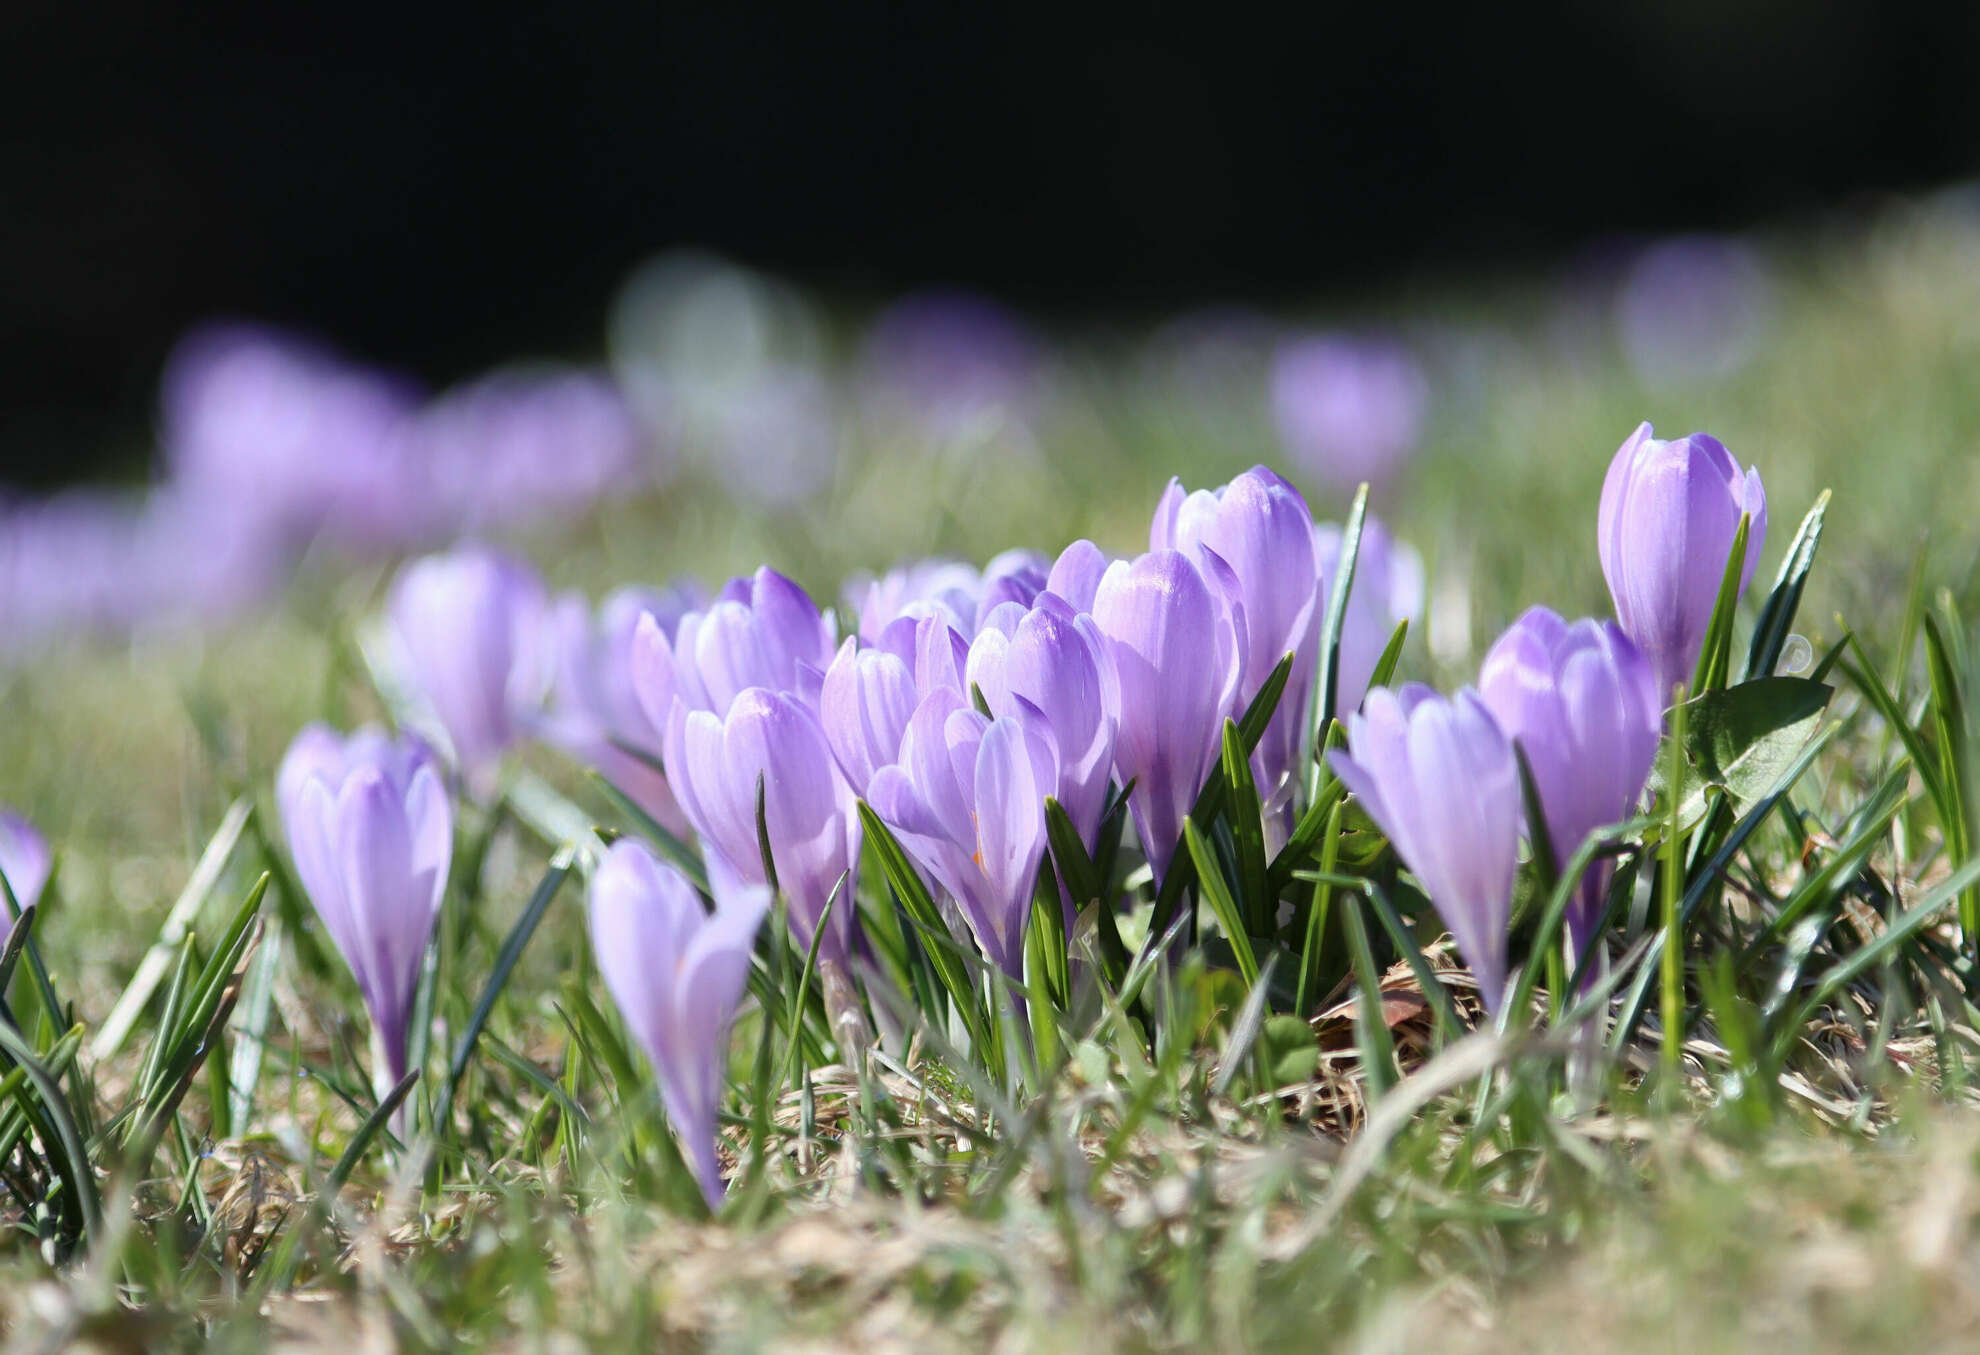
[439, 187]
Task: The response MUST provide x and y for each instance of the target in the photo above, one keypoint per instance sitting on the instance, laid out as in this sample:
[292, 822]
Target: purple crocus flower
[1259, 526]
[678, 974]
[967, 800]
[1693, 306]
[1076, 574]
[289, 436]
[870, 692]
[951, 364]
[714, 763]
[1582, 702]
[957, 592]
[595, 713]
[761, 631]
[1176, 639]
[1438, 777]
[25, 862]
[522, 446]
[1669, 514]
[372, 833]
[1348, 409]
[1049, 663]
[1387, 589]
[470, 628]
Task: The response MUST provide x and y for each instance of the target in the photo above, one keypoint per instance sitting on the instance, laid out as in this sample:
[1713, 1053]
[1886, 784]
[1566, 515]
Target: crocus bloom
[288, 435]
[25, 862]
[967, 800]
[762, 631]
[596, 714]
[1347, 409]
[1049, 663]
[1387, 590]
[522, 445]
[678, 974]
[951, 363]
[959, 593]
[870, 692]
[470, 628]
[1582, 703]
[714, 763]
[1259, 526]
[1438, 777]
[1669, 514]
[1075, 575]
[1176, 640]
[372, 834]
[1693, 306]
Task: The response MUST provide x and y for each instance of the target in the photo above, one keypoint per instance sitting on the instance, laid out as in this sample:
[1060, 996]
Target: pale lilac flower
[761, 631]
[1669, 513]
[1348, 410]
[1260, 527]
[957, 592]
[1049, 663]
[967, 800]
[25, 861]
[1176, 639]
[1439, 778]
[470, 628]
[677, 974]
[1076, 574]
[1691, 307]
[1582, 702]
[714, 764]
[521, 446]
[871, 691]
[372, 833]
[595, 712]
[273, 430]
[951, 365]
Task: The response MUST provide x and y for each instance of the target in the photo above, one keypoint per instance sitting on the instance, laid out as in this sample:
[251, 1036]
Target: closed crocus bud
[1669, 514]
[1582, 702]
[1075, 575]
[1052, 664]
[470, 628]
[714, 763]
[762, 631]
[1387, 589]
[1259, 526]
[595, 713]
[25, 862]
[870, 692]
[372, 833]
[1175, 638]
[1438, 777]
[967, 800]
[677, 973]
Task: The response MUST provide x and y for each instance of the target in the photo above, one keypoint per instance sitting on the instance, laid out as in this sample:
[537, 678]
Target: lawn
[1301, 1131]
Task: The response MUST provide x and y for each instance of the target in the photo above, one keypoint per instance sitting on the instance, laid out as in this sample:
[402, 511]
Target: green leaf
[1246, 817]
[1770, 632]
[1715, 659]
[1217, 893]
[1326, 691]
[505, 963]
[1740, 740]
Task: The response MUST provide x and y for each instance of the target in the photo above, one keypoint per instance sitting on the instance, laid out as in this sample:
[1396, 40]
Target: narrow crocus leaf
[1777, 614]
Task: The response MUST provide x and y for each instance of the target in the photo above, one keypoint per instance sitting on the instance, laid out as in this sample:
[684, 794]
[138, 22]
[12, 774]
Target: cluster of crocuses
[962, 702]
[271, 444]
